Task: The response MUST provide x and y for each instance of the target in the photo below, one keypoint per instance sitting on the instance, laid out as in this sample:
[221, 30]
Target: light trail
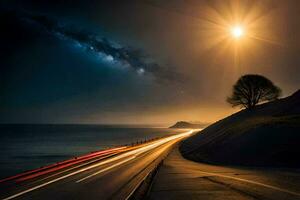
[105, 169]
[135, 153]
[76, 167]
[132, 154]
[66, 163]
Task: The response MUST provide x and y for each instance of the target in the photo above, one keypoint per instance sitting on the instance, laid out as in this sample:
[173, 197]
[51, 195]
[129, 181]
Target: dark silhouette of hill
[183, 124]
[268, 135]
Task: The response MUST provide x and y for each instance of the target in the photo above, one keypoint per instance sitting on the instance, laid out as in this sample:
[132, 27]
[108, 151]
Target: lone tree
[252, 89]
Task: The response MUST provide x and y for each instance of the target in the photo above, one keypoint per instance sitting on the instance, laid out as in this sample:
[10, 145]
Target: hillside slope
[269, 135]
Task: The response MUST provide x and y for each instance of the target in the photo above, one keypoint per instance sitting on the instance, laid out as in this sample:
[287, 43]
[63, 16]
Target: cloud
[130, 57]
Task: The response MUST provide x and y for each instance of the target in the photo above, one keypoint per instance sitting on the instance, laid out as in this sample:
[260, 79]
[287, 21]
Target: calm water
[25, 147]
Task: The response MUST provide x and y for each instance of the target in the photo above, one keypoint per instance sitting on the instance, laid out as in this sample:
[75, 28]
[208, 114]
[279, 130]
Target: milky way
[137, 61]
[105, 49]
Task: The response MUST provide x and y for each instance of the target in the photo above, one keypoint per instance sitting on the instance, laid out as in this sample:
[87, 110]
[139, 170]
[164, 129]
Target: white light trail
[132, 153]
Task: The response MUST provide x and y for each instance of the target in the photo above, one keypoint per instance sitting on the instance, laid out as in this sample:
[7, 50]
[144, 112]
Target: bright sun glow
[237, 31]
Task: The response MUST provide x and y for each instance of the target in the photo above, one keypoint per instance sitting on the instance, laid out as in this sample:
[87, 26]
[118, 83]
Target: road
[108, 174]
[179, 178]
[116, 172]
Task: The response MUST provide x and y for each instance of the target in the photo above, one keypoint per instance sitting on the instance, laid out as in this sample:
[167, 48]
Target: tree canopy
[252, 89]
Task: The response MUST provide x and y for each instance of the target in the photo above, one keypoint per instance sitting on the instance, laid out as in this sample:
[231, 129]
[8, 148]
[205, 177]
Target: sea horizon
[28, 146]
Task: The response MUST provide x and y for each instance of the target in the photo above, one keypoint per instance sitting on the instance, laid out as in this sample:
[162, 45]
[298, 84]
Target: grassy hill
[269, 135]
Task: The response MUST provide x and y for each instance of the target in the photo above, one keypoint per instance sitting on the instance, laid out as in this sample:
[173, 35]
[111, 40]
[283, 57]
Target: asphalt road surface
[116, 173]
[108, 174]
[181, 179]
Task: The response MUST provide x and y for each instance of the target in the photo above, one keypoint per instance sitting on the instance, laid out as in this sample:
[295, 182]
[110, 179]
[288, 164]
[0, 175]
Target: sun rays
[237, 31]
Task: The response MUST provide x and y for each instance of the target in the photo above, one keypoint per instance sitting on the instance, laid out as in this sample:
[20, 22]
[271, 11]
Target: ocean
[25, 147]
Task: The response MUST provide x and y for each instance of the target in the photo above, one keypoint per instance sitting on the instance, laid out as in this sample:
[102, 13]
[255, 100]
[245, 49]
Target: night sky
[143, 61]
